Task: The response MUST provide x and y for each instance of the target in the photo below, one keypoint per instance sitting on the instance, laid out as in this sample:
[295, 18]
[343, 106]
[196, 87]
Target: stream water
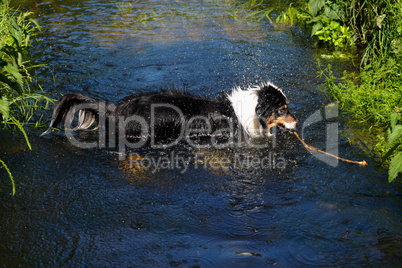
[86, 207]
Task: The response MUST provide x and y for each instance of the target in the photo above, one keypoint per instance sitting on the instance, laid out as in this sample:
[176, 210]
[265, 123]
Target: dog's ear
[263, 109]
[270, 98]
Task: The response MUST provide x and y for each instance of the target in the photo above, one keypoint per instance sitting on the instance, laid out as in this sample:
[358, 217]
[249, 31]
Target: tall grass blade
[9, 174]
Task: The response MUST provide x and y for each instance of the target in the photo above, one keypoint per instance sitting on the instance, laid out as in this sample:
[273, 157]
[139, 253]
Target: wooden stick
[362, 163]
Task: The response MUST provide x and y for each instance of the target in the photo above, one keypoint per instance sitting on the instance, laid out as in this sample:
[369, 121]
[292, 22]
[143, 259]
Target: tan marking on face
[280, 121]
[270, 119]
[288, 119]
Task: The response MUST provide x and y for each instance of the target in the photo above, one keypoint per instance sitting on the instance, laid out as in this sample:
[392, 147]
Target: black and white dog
[174, 115]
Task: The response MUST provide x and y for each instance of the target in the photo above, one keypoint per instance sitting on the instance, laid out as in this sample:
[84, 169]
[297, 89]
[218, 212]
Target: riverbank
[19, 100]
[374, 96]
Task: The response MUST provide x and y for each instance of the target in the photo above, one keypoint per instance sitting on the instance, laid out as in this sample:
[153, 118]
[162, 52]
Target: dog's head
[272, 108]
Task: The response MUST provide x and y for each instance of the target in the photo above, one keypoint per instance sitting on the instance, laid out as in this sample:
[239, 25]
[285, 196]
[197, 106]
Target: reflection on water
[193, 20]
[181, 207]
[141, 166]
[166, 22]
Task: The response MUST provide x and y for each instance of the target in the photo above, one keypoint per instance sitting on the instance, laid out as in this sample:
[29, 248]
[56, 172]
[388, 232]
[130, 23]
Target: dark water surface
[85, 207]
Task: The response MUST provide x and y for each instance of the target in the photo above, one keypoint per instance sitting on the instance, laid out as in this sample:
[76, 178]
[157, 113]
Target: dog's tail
[66, 107]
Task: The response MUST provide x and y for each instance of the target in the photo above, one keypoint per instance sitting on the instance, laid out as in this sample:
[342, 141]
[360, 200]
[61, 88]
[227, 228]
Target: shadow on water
[200, 208]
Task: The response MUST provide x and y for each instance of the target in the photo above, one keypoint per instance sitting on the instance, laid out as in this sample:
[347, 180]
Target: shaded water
[77, 207]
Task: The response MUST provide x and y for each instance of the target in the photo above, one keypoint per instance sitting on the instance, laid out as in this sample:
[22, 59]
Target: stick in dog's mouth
[276, 124]
[309, 147]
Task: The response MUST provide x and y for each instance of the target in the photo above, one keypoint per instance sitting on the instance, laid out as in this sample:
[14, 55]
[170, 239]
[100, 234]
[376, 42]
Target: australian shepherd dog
[173, 115]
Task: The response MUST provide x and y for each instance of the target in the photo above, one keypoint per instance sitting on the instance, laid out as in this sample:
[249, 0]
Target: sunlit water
[85, 207]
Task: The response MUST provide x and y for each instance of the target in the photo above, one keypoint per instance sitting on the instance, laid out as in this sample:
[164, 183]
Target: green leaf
[334, 25]
[315, 6]
[15, 31]
[390, 152]
[339, 12]
[18, 124]
[395, 117]
[380, 19]
[37, 26]
[316, 27]
[9, 174]
[13, 70]
[334, 14]
[10, 83]
[395, 134]
[315, 19]
[4, 108]
[395, 167]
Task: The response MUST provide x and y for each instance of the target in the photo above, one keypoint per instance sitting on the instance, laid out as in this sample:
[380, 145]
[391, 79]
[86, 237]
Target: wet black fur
[168, 123]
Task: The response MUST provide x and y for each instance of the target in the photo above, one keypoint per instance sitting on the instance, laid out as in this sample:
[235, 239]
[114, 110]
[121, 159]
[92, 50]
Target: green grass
[372, 97]
[18, 101]
[375, 97]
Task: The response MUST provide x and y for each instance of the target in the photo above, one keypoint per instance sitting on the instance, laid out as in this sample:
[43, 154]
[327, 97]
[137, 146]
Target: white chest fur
[244, 103]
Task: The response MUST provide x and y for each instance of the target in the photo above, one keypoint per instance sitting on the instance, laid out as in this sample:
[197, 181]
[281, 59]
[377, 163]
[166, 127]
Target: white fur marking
[244, 103]
[290, 125]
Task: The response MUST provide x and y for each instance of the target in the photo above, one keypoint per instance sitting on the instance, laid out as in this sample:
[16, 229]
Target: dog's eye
[282, 111]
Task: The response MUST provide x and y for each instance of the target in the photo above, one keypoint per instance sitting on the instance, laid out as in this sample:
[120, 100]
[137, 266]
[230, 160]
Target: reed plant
[18, 101]
[247, 11]
[375, 97]
[378, 26]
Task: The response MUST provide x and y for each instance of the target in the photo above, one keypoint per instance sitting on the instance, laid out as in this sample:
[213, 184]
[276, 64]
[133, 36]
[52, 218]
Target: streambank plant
[243, 11]
[378, 27]
[394, 131]
[18, 102]
[327, 20]
[375, 97]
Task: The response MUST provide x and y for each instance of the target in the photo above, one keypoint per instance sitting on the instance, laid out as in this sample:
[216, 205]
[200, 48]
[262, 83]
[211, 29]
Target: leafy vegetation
[375, 96]
[395, 142]
[132, 14]
[18, 103]
[327, 21]
[252, 10]
[379, 28]
[372, 99]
